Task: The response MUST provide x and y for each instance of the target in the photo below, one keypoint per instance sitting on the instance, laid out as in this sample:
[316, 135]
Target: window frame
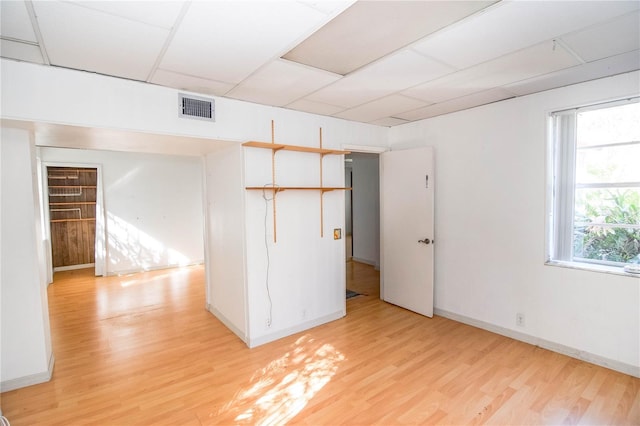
[560, 212]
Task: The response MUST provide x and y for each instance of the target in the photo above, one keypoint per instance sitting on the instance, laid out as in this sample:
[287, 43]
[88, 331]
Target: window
[595, 204]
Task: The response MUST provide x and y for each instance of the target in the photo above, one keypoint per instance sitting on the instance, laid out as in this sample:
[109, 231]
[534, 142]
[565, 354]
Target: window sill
[614, 270]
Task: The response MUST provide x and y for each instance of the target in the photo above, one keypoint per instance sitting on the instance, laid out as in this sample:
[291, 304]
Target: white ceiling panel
[600, 41]
[57, 135]
[328, 7]
[389, 122]
[527, 63]
[160, 13]
[190, 83]
[394, 73]
[388, 106]
[20, 51]
[613, 65]
[465, 102]
[314, 107]
[227, 41]
[369, 30]
[15, 21]
[510, 26]
[281, 82]
[97, 41]
[402, 59]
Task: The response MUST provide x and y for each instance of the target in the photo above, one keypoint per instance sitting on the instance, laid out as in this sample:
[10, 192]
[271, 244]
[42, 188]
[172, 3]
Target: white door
[406, 218]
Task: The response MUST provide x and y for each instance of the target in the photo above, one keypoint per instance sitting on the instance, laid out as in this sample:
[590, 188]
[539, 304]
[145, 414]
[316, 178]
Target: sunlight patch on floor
[279, 391]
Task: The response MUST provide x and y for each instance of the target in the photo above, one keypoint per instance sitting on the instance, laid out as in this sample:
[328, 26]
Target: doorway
[362, 222]
[73, 217]
[72, 194]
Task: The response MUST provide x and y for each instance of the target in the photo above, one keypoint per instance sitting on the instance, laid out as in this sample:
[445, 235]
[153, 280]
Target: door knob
[425, 241]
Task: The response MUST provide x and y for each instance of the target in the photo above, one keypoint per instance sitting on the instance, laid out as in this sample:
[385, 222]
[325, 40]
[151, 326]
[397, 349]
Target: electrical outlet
[520, 320]
[304, 314]
[268, 322]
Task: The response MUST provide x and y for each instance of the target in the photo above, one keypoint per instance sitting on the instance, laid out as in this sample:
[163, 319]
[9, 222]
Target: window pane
[607, 244]
[608, 164]
[595, 234]
[608, 205]
[609, 125]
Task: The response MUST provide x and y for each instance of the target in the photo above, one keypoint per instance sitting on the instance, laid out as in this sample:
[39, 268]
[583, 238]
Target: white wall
[366, 208]
[490, 229]
[39, 94]
[306, 277]
[153, 207]
[226, 239]
[55, 95]
[25, 344]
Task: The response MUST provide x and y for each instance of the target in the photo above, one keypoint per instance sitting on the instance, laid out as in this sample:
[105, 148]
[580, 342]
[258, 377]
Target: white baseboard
[73, 267]
[365, 261]
[295, 329]
[612, 364]
[32, 379]
[216, 313]
[155, 268]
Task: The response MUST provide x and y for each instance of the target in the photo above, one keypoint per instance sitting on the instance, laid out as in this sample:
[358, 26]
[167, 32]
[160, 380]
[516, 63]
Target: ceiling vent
[196, 107]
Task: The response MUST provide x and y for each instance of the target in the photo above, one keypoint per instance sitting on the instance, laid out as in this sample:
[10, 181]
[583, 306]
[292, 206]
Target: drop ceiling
[380, 62]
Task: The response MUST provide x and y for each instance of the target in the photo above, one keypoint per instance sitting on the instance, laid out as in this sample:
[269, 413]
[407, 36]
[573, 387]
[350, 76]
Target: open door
[406, 220]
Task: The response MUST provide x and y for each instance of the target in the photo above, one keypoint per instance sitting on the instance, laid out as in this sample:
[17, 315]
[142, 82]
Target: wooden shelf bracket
[274, 147]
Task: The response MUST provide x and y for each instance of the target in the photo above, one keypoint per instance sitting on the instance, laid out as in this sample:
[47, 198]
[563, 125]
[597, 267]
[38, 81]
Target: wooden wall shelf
[278, 147]
[275, 189]
[296, 188]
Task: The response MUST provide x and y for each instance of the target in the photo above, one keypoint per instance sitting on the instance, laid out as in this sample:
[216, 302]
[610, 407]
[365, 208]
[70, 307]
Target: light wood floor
[141, 349]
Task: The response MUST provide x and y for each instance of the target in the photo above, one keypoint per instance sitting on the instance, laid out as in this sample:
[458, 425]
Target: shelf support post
[321, 192]
[273, 179]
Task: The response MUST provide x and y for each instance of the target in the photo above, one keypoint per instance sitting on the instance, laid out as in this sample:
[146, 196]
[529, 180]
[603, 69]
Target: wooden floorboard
[141, 350]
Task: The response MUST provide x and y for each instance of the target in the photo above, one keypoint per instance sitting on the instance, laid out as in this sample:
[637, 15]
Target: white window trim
[566, 175]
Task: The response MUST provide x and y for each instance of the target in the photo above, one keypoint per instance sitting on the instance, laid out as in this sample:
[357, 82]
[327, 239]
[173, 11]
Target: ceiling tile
[315, 107]
[600, 41]
[465, 102]
[96, 41]
[369, 30]
[613, 65]
[527, 63]
[392, 74]
[20, 51]
[15, 21]
[190, 83]
[510, 26]
[385, 107]
[389, 122]
[281, 82]
[227, 40]
[328, 7]
[159, 13]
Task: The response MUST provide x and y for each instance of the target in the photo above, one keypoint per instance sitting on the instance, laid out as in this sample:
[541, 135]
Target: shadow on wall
[130, 249]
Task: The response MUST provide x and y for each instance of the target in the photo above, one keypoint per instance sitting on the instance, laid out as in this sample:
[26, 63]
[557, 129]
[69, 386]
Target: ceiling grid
[380, 62]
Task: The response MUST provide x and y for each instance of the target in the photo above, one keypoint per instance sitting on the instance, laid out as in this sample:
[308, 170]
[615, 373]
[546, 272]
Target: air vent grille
[196, 107]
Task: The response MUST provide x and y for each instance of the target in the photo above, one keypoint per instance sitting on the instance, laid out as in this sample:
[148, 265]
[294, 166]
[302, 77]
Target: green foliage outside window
[596, 211]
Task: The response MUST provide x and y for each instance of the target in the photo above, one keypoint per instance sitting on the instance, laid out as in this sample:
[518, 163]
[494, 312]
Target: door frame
[100, 247]
[363, 149]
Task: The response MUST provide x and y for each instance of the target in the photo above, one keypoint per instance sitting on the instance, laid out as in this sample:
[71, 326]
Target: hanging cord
[4, 421]
[266, 245]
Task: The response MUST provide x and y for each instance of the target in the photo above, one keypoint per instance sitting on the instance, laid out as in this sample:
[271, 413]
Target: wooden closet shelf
[296, 188]
[88, 219]
[71, 203]
[279, 146]
[73, 186]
